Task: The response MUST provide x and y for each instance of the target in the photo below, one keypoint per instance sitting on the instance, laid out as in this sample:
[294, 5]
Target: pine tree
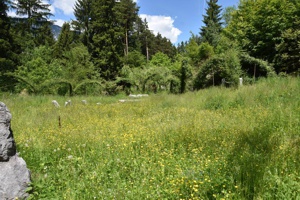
[148, 43]
[212, 23]
[143, 37]
[127, 14]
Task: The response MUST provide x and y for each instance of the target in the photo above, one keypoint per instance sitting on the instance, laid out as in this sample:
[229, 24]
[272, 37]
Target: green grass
[217, 143]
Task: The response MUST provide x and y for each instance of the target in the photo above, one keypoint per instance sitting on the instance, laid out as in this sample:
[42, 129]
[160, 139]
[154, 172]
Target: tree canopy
[109, 49]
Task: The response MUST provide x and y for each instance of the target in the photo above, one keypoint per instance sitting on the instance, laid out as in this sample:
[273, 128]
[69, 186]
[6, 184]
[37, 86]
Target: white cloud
[64, 5]
[163, 25]
[12, 13]
[52, 9]
[59, 22]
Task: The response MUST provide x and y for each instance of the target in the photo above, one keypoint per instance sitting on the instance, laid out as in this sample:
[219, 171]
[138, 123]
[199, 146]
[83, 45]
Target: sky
[173, 19]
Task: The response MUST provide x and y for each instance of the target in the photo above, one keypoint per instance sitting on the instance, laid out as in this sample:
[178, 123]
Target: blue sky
[185, 16]
[174, 19]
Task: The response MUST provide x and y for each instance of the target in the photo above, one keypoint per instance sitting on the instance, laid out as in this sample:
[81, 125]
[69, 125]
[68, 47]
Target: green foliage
[288, 57]
[212, 23]
[185, 73]
[8, 56]
[161, 60]
[36, 70]
[256, 67]
[223, 66]
[36, 22]
[135, 59]
[206, 51]
[156, 77]
[82, 12]
[164, 45]
[77, 69]
[107, 48]
[227, 14]
[127, 14]
[64, 41]
[192, 50]
[258, 38]
[73, 73]
[259, 25]
[44, 35]
[146, 79]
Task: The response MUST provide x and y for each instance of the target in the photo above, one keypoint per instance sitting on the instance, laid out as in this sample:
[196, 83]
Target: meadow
[217, 143]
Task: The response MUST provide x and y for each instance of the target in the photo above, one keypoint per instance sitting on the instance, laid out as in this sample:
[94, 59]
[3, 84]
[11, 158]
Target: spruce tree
[82, 12]
[44, 35]
[7, 56]
[212, 23]
[36, 14]
[64, 41]
[107, 47]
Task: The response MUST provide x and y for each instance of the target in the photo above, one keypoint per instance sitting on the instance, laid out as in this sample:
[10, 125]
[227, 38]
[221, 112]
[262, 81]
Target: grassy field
[217, 143]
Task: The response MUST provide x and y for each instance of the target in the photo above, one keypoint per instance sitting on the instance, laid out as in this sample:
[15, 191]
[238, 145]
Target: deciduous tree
[263, 27]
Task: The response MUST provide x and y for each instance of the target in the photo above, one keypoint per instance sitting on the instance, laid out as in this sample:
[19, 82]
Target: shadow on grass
[251, 157]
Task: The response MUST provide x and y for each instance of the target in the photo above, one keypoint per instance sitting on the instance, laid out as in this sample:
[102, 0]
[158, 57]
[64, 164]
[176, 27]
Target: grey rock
[7, 142]
[14, 175]
[14, 179]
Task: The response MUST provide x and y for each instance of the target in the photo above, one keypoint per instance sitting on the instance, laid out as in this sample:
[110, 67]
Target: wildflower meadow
[217, 143]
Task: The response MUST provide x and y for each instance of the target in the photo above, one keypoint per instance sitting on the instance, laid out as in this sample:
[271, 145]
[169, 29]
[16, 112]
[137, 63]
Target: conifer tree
[107, 47]
[44, 35]
[212, 23]
[82, 12]
[143, 36]
[150, 44]
[36, 14]
[127, 14]
[64, 41]
[7, 56]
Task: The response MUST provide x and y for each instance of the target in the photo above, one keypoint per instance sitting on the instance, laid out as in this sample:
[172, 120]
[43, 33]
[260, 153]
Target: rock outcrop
[14, 175]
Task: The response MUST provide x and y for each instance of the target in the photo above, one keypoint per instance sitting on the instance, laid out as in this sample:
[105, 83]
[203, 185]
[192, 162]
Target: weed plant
[217, 143]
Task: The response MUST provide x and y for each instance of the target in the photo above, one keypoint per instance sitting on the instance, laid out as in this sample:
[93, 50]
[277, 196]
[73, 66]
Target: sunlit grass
[217, 143]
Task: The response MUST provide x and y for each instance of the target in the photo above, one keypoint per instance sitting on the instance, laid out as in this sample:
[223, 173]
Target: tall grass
[217, 143]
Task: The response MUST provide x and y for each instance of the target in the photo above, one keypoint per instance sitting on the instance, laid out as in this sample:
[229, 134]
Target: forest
[108, 49]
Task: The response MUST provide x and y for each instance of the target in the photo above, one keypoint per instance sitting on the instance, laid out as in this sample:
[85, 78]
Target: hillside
[56, 31]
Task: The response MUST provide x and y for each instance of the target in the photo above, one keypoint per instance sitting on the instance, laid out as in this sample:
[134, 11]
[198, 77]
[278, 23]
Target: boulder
[14, 179]
[14, 175]
[7, 142]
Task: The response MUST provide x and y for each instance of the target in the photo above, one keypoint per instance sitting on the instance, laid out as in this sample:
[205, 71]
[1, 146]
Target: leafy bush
[223, 66]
